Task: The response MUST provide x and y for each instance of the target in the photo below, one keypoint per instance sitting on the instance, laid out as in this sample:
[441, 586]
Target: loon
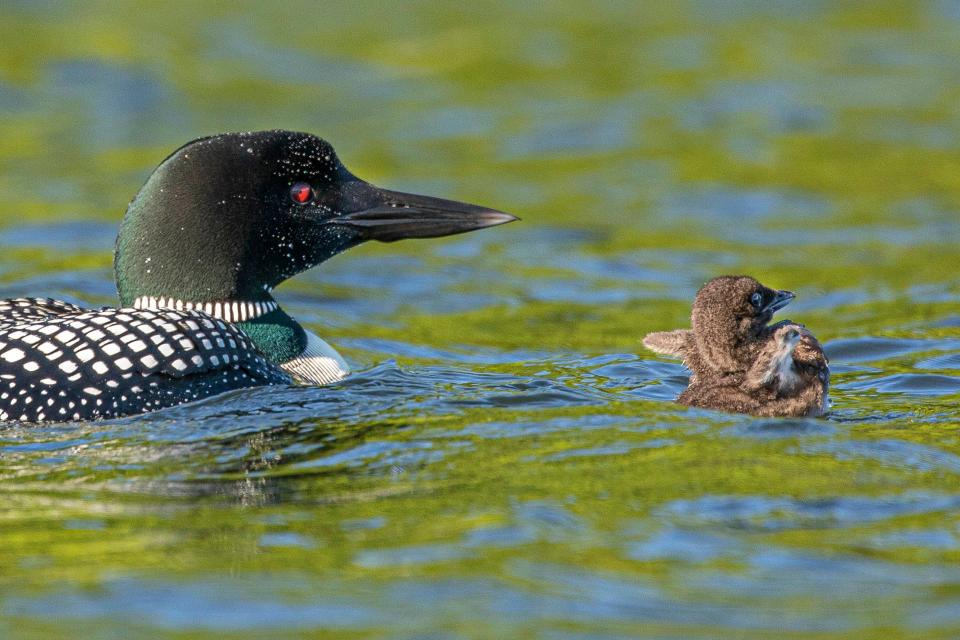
[217, 225]
[740, 363]
[790, 376]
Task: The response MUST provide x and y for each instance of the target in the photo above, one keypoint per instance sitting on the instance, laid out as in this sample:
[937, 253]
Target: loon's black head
[231, 216]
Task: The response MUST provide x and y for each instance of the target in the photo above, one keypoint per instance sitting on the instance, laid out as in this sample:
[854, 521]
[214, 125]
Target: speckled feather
[13, 311]
[60, 362]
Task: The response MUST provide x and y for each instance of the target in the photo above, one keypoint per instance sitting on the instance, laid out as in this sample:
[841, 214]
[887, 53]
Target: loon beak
[779, 301]
[391, 215]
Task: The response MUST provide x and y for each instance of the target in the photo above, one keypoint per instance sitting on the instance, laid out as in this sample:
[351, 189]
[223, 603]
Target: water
[507, 461]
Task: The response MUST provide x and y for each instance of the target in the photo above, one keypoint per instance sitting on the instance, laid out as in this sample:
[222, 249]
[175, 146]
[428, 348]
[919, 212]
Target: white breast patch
[318, 364]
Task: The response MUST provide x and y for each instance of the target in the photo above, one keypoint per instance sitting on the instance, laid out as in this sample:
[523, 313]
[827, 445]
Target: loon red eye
[301, 193]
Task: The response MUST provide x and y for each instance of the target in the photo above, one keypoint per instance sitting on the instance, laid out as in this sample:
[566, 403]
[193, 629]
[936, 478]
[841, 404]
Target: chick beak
[779, 301]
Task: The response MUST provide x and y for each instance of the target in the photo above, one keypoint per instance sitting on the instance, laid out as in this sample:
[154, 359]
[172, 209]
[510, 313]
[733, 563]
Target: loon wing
[678, 343]
[82, 364]
[18, 310]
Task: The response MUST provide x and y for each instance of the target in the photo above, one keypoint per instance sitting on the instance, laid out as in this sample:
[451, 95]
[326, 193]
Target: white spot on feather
[12, 355]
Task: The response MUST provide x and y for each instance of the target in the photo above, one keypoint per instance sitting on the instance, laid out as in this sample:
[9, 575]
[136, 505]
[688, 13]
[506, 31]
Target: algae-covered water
[507, 463]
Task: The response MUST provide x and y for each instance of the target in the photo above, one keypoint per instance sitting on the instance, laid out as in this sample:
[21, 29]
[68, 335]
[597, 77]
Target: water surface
[507, 461]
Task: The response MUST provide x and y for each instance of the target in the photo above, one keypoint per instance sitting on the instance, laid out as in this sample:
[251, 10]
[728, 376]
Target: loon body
[790, 376]
[740, 363]
[216, 227]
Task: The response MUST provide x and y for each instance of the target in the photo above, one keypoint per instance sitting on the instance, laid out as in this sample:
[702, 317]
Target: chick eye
[756, 299]
[301, 193]
[792, 333]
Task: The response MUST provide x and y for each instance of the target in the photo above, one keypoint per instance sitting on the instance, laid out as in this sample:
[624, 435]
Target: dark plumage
[739, 362]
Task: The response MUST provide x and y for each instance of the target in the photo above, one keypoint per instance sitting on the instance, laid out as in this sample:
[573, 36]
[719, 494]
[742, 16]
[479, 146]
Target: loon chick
[732, 348]
[789, 377]
[219, 224]
[730, 319]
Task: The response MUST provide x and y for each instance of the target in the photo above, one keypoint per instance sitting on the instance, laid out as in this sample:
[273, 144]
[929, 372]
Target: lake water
[507, 462]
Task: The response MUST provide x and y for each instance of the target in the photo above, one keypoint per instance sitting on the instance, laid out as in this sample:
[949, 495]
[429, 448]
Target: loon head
[230, 216]
[729, 311]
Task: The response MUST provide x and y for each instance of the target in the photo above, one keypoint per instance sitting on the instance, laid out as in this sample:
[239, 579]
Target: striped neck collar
[227, 310]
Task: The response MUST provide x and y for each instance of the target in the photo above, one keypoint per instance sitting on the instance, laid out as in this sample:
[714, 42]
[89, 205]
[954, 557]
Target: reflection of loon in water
[738, 362]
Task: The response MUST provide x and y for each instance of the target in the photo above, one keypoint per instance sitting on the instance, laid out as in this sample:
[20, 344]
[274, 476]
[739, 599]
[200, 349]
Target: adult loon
[739, 362]
[215, 228]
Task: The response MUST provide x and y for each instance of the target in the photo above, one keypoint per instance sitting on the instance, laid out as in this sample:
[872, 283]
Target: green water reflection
[508, 463]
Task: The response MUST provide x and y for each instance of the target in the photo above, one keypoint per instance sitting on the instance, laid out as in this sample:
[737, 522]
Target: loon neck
[306, 357]
[226, 310]
[277, 336]
[280, 338]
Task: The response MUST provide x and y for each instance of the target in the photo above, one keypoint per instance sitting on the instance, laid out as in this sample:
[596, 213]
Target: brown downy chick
[789, 377]
[740, 363]
[793, 368]
[730, 321]
[813, 367]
